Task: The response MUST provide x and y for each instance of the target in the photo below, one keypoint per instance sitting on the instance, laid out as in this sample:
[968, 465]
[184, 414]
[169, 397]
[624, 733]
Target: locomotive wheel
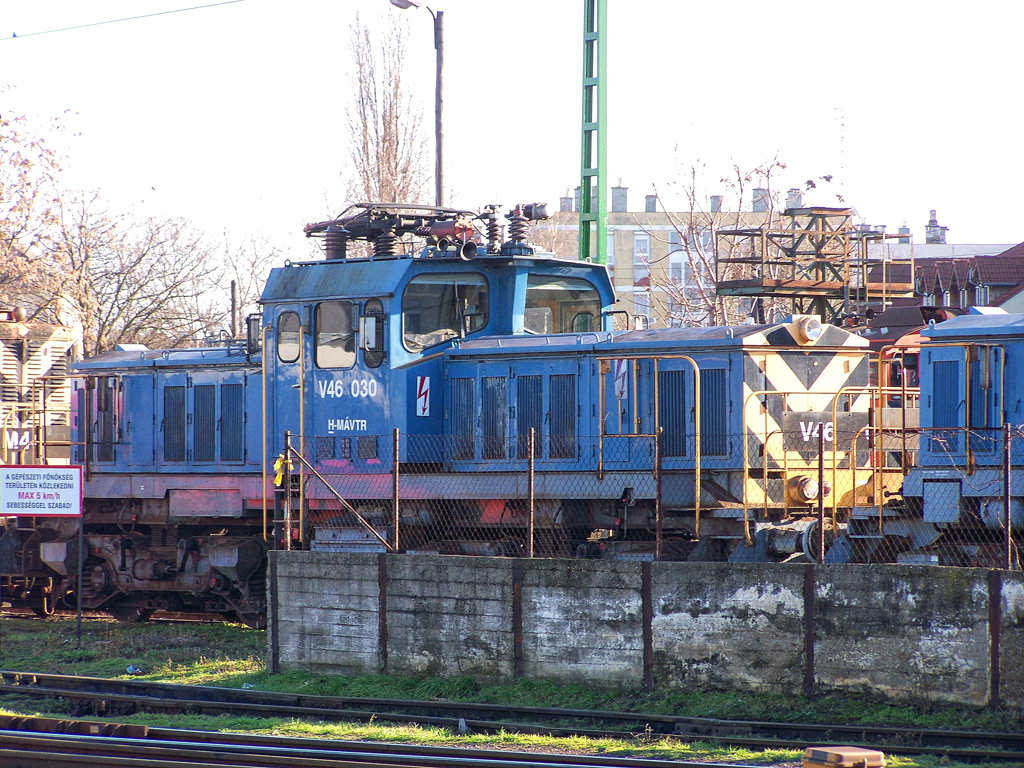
[251, 620]
[130, 614]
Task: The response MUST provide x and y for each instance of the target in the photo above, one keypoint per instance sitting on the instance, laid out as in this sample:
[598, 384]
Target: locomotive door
[285, 387]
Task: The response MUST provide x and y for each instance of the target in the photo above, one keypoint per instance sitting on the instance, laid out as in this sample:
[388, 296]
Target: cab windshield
[440, 307]
[561, 305]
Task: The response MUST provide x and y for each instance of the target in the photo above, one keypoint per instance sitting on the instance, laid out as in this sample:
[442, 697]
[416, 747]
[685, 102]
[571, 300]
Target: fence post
[659, 532]
[1007, 498]
[821, 494]
[286, 482]
[394, 496]
[529, 491]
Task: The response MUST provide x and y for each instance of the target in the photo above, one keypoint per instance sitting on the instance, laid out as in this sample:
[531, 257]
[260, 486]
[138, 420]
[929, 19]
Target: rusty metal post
[659, 532]
[821, 494]
[286, 482]
[1007, 497]
[394, 497]
[529, 491]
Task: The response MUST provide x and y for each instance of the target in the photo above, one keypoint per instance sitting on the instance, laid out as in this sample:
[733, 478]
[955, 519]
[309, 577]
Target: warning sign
[40, 491]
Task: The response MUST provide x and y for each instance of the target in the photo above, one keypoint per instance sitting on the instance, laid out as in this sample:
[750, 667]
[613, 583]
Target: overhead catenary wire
[16, 36]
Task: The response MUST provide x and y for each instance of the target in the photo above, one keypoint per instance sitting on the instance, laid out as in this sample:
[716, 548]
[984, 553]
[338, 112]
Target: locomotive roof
[975, 327]
[165, 358]
[668, 339]
[357, 278]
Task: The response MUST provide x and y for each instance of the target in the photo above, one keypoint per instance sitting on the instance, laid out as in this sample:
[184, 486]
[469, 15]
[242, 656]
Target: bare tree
[688, 295]
[388, 149]
[28, 195]
[65, 258]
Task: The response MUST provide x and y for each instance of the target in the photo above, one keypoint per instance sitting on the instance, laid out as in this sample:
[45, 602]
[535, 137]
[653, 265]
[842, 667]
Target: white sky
[234, 116]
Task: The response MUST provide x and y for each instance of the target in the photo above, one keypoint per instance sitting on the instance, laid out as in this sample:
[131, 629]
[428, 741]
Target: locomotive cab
[356, 339]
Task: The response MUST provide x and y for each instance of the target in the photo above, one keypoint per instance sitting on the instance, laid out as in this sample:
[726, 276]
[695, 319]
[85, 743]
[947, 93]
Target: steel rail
[197, 749]
[483, 717]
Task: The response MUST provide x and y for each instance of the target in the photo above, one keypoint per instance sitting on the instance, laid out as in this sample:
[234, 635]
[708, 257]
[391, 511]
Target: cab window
[335, 335]
[439, 307]
[561, 305]
[288, 330]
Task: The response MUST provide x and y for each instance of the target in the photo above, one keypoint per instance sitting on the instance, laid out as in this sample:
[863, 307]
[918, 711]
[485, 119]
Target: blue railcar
[952, 509]
[422, 349]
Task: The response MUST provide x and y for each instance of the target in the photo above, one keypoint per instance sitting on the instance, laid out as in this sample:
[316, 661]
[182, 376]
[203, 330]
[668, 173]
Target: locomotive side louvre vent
[174, 423]
[323, 448]
[946, 392]
[205, 423]
[713, 422]
[10, 370]
[463, 417]
[672, 416]
[493, 395]
[366, 445]
[529, 413]
[232, 421]
[563, 416]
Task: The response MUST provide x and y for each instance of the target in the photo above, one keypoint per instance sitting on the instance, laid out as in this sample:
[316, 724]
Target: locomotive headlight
[805, 489]
[808, 329]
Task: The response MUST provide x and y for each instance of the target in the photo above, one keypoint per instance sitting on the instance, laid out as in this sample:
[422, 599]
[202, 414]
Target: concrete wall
[896, 632]
[719, 625]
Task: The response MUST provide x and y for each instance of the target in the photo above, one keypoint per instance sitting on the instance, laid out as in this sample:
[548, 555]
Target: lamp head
[404, 4]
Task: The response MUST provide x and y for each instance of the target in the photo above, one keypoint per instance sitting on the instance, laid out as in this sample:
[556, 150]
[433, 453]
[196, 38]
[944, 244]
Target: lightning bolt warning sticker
[422, 395]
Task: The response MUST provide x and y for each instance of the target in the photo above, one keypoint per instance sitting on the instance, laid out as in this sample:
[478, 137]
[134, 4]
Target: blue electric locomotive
[415, 388]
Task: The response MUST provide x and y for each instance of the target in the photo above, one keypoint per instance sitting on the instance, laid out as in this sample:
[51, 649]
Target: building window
[611, 254]
[677, 258]
[642, 303]
[641, 249]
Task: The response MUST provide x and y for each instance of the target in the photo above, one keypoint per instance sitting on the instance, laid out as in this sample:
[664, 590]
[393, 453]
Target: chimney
[565, 202]
[794, 198]
[651, 204]
[933, 233]
[760, 202]
[619, 197]
[716, 203]
[904, 233]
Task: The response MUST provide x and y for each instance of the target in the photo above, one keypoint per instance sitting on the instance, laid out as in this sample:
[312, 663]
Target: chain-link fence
[814, 494]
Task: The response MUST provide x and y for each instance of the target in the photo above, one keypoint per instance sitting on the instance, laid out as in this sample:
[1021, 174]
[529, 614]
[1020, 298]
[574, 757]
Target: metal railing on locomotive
[35, 414]
[604, 368]
[911, 435]
[970, 354]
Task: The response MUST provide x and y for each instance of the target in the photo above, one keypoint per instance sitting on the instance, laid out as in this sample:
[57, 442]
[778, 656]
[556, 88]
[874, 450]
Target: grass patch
[233, 656]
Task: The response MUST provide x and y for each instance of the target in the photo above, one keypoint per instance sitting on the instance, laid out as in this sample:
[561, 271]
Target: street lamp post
[438, 92]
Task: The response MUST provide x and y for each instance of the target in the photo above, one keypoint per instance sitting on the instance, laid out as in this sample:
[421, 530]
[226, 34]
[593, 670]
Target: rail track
[121, 697]
[65, 747]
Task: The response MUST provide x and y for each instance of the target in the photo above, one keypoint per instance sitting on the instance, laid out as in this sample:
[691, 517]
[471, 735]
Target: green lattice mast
[594, 145]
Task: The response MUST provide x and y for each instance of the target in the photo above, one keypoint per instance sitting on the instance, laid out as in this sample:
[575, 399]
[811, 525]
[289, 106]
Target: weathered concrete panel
[1011, 657]
[726, 625]
[582, 620]
[450, 616]
[327, 612]
[904, 632]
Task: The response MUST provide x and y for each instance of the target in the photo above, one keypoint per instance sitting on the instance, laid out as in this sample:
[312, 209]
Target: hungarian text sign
[40, 491]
